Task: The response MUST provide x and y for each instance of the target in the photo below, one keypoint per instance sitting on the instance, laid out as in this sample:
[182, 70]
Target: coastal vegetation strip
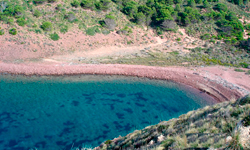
[220, 126]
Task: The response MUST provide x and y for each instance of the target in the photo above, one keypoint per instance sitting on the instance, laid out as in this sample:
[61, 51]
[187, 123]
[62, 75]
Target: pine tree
[178, 8]
[198, 1]
[206, 4]
[192, 3]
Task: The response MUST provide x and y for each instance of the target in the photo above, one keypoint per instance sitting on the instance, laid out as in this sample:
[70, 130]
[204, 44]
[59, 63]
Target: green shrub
[234, 41]
[59, 7]
[159, 31]
[75, 3]
[191, 3]
[244, 100]
[235, 143]
[13, 31]
[102, 4]
[221, 7]
[91, 31]
[244, 65]
[227, 41]
[178, 39]
[105, 31]
[88, 4]
[10, 21]
[18, 11]
[38, 31]
[34, 26]
[82, 26]
[71, 17]
[21, 21]
[126, 30]
[246, 121]
[54, 36]
[46, 26]
[52, 1]
[174, 53]
[167, 143]
[247, 26]
[108, 142]
[1, 32]
[39, 1]
[205, 36]
[206, 4]
[64, 29]
[239, 70]
[109, 17]
[37, 13]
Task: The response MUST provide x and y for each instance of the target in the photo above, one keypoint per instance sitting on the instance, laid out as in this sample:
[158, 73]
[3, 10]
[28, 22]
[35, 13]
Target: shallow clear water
[61, 112]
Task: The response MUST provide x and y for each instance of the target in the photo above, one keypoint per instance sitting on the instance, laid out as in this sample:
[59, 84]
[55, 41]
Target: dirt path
[106, 51]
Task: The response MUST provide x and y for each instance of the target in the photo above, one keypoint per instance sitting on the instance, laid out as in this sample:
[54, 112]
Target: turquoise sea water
[52, 113]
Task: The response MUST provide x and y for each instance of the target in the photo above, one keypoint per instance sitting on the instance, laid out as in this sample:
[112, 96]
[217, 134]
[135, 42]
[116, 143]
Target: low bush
[1, 32]
[54, 36]
[244, 65]
[71, 17]
[87, 4]
[108, 142]
[46, 26]
[92, 30]
[205, 36]
[39, 1]
[38, 31]
[102, 4]
[10, 21]
[21, 22]
[75, 3]
[105, 31]
[246, 121]
[64, 29]
[247, 26]
[239, 70]
[13, 31]
[235, 143]
[37, 13]
[168, 143]
[52, 1]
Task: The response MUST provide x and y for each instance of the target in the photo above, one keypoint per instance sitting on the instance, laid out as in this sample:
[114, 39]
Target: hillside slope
[224, 125]
[215, 32]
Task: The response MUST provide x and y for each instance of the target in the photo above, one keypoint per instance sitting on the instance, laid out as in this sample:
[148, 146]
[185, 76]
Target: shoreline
[180, 75]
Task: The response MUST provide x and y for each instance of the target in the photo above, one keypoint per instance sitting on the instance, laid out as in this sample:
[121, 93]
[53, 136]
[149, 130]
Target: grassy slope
[87, 22]
[202, 128]
[56, 14]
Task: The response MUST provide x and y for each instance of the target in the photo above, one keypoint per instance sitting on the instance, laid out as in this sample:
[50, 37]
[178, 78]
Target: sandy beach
[220, 82]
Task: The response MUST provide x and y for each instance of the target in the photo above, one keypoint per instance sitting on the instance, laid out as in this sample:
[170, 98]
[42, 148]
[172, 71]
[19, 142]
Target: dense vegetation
[167, 15]
[208, 19]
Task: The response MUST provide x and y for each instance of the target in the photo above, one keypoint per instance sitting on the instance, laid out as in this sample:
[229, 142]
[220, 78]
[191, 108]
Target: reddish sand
[194, 77]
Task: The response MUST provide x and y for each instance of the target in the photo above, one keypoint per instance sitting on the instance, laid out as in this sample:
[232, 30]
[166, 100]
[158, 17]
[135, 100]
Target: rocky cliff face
[224, 125]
